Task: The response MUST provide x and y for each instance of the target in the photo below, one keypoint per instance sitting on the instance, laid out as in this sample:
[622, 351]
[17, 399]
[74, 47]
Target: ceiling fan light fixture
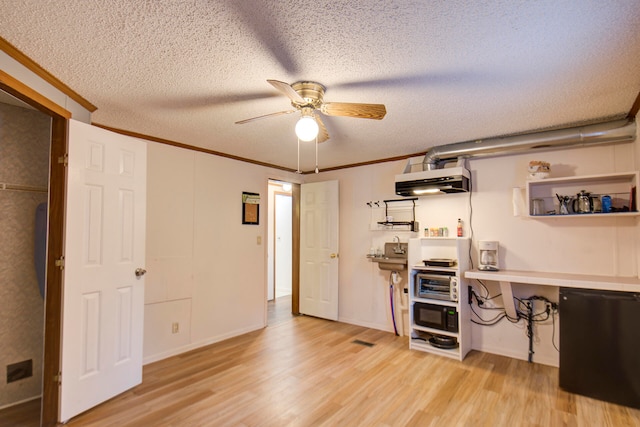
[307, 128]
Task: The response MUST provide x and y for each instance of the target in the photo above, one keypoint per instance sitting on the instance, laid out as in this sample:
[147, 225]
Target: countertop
[584, 281]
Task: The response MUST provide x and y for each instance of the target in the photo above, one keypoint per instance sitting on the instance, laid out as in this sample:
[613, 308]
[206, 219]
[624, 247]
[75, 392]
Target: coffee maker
[488, 255]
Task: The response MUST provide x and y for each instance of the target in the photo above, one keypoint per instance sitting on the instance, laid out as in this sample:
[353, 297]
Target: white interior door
[319, 249]
[102, 320]
[283, 245]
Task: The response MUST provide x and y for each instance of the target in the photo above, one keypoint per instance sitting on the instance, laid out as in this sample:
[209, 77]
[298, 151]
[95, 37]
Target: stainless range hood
[437, 181]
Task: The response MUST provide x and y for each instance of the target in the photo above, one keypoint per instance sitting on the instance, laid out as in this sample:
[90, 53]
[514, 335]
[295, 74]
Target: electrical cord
[524, 310]
[488, 322]
[480, 300]
[470, 221]
[488, 297]
[553, 331]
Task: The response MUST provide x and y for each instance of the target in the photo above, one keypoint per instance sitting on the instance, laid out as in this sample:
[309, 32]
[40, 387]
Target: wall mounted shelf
[622, 187]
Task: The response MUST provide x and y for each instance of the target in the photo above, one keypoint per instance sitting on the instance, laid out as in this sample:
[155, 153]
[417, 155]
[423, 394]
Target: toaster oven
[440, 285]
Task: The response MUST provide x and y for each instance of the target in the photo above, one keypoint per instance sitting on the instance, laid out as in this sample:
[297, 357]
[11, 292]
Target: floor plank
[303, 371]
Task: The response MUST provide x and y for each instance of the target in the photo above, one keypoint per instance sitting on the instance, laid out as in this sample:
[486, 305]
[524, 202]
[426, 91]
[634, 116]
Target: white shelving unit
[457, 248]
[620, 186]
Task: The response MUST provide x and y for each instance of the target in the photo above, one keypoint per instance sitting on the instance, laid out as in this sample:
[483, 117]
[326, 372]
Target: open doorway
[280, 252]
[24, 192]
[45, 408]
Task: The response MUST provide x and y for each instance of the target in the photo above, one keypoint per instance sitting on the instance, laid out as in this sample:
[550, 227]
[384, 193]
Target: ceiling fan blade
[323, 135]
[287, 90]
[362, 111]
[265, 116]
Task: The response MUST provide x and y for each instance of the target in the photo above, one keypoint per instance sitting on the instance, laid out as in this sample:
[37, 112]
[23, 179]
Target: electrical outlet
[175, 328]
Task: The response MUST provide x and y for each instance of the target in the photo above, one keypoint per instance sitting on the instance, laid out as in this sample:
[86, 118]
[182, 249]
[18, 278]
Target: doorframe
[295, 249]
[55, 240]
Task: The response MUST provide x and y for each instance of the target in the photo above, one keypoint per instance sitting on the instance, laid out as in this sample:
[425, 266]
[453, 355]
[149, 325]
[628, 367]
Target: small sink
[393, 264]
[394, 258]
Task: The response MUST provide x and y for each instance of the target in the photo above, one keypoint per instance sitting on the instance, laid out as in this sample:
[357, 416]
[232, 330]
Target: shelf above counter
[621, 186]
[592, 215]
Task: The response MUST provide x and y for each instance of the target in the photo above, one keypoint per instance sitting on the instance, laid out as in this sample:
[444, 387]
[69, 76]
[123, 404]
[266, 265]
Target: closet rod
[18, 187]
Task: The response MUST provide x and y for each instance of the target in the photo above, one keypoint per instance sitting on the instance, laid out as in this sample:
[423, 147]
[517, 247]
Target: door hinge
[57, 378]
[60, 262]
[64, 160]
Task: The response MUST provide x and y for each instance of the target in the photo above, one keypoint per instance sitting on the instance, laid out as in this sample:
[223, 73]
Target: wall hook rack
[413, 224]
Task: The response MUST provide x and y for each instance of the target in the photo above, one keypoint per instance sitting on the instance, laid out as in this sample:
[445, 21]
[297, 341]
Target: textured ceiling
[447, 71]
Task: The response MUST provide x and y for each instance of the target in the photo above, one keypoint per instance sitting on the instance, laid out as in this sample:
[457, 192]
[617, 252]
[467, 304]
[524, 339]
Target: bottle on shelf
[459, 227]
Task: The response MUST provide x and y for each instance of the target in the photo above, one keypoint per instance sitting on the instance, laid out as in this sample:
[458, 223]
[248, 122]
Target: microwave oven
[435, 316]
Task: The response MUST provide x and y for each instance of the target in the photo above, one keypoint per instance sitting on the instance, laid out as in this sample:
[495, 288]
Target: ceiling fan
[307, 97]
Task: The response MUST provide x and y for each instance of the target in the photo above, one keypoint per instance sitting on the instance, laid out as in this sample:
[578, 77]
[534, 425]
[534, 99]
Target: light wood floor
[279, 310]
[303, 371]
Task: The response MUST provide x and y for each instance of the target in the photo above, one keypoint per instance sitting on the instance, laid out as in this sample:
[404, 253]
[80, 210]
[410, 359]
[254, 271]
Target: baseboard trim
[195, 345]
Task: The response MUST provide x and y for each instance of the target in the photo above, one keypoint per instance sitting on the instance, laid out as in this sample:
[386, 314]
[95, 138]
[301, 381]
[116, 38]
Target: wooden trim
[53, 304]
[190, 147]
[370, 162]
[242, 159]
[23, 59]
[30, 96]
[295, 249]
[634, 108]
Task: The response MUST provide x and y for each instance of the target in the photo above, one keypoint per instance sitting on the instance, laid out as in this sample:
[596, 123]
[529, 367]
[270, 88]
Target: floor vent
[364, 343]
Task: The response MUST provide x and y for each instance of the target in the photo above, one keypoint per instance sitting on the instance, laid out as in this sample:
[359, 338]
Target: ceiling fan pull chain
[298, 171]
[316, 153]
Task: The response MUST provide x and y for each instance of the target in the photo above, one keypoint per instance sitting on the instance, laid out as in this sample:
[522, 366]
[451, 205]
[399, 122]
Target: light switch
[259, 240]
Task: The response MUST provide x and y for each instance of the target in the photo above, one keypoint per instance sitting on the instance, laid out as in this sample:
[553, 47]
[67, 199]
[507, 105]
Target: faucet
[398, 249]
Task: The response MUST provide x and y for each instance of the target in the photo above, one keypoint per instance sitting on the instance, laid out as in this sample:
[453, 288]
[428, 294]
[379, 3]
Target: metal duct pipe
[601, 133]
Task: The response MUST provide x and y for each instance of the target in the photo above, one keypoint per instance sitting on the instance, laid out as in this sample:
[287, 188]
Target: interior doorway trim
[295, 249]
[55, 239]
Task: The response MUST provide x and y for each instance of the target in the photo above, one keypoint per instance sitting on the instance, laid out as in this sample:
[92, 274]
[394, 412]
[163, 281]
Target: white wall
[601, 246]
[207, 271]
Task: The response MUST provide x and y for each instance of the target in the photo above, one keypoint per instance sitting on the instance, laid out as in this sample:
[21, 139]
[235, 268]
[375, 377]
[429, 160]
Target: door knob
[140, 272]
[333, 256]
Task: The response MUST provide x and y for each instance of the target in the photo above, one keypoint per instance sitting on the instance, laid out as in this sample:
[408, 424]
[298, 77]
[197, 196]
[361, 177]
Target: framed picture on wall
[250, 208]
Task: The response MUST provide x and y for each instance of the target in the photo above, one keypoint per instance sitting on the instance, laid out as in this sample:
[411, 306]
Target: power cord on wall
[470, 222]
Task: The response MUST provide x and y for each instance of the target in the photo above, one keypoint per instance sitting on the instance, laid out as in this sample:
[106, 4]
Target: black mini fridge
[600, 344]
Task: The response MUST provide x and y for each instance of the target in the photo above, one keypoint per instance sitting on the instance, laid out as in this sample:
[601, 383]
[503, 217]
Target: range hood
[437, 181]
